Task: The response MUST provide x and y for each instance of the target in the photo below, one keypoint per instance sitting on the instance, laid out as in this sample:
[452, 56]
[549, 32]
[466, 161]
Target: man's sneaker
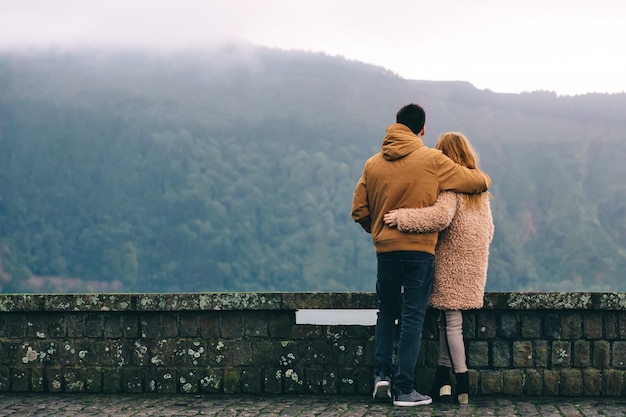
[411, 399]
[382, 387]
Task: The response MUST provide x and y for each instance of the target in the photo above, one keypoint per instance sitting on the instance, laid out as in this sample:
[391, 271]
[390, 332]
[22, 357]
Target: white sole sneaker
[412, 403]
[382, 391]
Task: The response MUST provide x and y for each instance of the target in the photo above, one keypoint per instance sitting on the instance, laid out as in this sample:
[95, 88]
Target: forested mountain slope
[233, 170]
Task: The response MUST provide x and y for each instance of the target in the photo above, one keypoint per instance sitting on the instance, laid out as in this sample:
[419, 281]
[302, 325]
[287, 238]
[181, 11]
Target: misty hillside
[233, 170]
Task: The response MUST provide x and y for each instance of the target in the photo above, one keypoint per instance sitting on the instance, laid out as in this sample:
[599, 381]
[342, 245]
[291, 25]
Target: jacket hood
[399, 142]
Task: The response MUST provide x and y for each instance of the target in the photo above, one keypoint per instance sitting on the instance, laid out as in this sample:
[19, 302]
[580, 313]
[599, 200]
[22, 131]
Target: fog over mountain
[233, 170]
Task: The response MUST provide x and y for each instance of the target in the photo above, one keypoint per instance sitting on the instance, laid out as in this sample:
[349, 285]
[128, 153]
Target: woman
[466, 230]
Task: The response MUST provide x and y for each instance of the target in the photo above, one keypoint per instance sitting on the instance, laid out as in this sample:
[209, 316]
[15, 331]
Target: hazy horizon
[564, 47]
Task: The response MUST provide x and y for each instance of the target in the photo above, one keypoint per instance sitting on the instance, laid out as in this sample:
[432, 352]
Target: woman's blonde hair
[458, 148]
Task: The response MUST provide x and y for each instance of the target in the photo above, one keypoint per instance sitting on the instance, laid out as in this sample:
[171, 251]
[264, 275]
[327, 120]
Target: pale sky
[566, 46]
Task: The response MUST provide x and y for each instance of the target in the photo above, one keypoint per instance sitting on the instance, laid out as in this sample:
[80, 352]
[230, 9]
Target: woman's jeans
[403, 286]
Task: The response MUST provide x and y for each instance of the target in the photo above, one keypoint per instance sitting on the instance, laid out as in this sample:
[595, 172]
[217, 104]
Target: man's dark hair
[412, 116]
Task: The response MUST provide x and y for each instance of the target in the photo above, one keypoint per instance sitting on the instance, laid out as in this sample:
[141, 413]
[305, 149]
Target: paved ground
[64, 405]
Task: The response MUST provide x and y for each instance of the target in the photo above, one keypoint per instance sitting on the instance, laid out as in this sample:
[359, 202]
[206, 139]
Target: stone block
[571, 326]
[217, 351]
[619, 355]
[307, 331]
[363, 381]
[132, 381]
[621, 325]
[571, 382]
[252, 380]
[195, 353]
[282, 323]
[582, 354]
[232, 381]
[610, 325]
[313, 352]
[75, 325]
[486, 325]
[12, 352]
[16, 327]
[160, 380]
[509, 325]
[612, 382]
[263, 353]
[188, 324]
[286, 352]
[474, 381]
[37, 379]
[293, 380]
[601, 355]
[551, 382]
[337, 352]
[314, 378]
[329, 382]
[93, 325]
[113, 326]
[54, 377]
[231, 325]
[592, 382]
[534, 383]
[57, 326]
[112, 380]
[86, 352]
[478, 354]
[169, 325]
[209, 325]
[273, 380]
[531, 325]
[523, 354]
[130, 326]
[346, 381]
[211, 379]
[592, 326]
[561, 354]
[513, 382]
[93, 379]
[114, 352]
[141, 352]
[490, 382]
[73, 380]
[240, 352]
[188, 381]
[67, 353]
[541, 353]
[150, 325]
[5, 380]
[256, 325]
[354, 353]
[19, 379]
[501, 354]
[551, 326]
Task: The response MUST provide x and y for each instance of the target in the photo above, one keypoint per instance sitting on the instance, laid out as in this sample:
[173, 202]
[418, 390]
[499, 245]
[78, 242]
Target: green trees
[172, 173]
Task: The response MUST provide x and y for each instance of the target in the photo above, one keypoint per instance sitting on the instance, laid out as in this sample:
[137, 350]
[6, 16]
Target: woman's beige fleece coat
[462, 251]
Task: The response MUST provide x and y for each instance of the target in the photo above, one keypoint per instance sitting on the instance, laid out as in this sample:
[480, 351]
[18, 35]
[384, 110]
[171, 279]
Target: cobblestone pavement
[65, 405]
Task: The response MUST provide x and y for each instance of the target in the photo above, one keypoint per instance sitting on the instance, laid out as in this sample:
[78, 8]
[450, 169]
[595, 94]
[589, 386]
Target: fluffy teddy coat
[462, 251]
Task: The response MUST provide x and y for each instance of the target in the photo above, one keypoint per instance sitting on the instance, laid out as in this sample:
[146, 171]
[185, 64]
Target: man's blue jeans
[403, 287]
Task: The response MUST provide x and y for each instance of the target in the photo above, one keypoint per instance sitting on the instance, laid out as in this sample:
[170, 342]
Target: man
[405, 173]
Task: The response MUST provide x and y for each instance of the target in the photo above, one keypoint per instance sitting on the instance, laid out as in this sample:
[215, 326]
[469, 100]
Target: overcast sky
[566, 46]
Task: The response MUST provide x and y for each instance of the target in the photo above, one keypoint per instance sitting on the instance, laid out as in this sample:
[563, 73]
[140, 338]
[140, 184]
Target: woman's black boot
[442, 387]
[462, 388]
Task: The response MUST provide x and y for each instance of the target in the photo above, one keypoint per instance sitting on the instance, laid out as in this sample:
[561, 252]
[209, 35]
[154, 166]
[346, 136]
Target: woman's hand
[391, 218]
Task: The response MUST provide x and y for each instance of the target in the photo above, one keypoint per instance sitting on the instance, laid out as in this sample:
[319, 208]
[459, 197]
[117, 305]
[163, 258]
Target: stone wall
[570, 344]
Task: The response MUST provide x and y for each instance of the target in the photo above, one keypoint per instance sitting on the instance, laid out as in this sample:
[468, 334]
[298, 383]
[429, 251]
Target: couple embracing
[429, 216]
